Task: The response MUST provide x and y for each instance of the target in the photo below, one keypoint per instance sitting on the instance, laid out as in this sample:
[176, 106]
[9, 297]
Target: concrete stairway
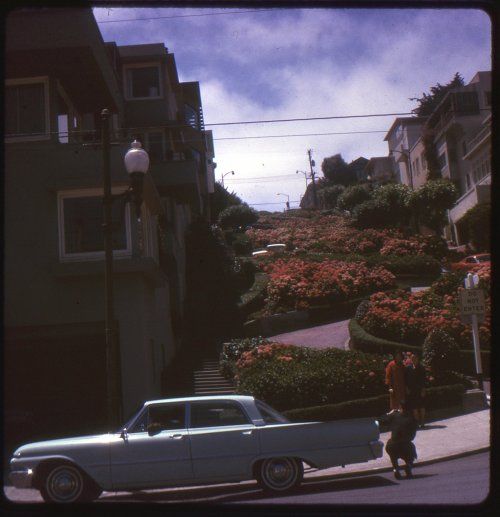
[208, 380]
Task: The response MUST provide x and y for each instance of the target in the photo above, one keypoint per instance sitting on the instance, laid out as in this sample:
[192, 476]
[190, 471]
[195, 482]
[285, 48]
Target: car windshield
[270, 415]
[131, 418]
[483, 258]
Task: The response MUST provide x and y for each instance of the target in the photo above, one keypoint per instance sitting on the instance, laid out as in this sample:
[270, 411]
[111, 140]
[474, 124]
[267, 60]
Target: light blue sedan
[193, 441]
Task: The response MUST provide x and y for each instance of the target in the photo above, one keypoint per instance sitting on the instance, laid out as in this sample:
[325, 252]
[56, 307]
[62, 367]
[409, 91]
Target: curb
[380, 470]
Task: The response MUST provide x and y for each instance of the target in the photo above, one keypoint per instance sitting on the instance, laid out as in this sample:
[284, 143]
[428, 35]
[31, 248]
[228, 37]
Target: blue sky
[297, 63]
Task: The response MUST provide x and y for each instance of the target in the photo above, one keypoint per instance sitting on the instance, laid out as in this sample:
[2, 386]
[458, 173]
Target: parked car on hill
[472, 262]
[195, 440]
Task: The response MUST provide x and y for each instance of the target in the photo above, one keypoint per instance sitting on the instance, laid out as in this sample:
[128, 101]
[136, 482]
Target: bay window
[26, 109]
[81, 234]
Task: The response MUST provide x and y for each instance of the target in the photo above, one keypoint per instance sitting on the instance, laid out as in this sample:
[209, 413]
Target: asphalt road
[460, 481]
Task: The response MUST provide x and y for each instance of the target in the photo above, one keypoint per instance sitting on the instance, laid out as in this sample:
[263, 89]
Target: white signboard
[472, 302]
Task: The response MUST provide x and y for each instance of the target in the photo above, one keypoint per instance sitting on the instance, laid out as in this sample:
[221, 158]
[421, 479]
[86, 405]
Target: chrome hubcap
[280, 473]
[64, 484]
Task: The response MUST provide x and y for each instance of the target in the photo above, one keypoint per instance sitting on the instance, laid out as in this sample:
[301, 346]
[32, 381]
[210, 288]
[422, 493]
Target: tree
[329, 195]
[396, 197]
[352, 196]
[222, 199]
[431, 155]
[430, 202]
[429, 101]
[337, 171]
[373, 213]
[477, 224]
[237, 215]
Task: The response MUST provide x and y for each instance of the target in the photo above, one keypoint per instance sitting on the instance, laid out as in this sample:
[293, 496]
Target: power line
[273, 203]
[185, 16]
[307, 118]
[300, 134]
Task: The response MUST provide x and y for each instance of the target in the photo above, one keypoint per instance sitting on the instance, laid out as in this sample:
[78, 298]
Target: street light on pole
[137, 164]
[305, 175]
[287, 199]
[230, 172]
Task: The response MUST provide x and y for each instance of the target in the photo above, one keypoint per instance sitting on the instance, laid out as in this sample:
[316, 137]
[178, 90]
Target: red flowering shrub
[296, 283]
[289, 377]
[409, 318]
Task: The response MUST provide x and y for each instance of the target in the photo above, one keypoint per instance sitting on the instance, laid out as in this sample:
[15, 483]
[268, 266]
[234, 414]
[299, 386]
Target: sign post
[472, 310]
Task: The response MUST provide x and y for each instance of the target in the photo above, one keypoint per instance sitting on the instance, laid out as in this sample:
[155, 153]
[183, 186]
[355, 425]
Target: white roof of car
[241, 398]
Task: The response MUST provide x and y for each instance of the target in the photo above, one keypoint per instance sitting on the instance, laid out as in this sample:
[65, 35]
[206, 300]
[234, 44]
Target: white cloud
[309, 63]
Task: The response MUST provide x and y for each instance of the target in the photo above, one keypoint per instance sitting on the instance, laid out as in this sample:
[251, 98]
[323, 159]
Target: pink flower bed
[405, 317]
[297, 283]
[334, 234]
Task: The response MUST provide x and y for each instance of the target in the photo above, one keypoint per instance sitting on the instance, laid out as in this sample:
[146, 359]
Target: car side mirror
[154, 429]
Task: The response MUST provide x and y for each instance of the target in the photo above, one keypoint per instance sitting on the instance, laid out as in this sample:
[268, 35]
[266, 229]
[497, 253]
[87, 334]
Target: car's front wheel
[65, 483]
[280, 474]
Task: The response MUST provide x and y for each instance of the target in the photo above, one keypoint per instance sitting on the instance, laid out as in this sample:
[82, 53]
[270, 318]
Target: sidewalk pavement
[439, 440]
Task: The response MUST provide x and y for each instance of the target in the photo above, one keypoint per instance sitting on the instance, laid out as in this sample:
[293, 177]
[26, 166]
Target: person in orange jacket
[395, 380]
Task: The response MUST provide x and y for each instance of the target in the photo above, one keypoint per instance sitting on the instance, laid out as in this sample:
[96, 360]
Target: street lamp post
[137, 164]
[305, 175]
[230, 172]
[287, 199]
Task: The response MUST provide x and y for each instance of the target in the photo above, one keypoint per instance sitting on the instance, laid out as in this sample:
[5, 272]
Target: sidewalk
[440, 440]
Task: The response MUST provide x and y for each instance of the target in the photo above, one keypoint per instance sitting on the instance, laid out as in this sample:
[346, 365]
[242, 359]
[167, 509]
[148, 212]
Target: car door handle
[177, 436]
[247, 433]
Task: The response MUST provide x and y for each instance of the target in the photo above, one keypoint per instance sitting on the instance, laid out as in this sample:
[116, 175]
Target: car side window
[217, 414]
[470, 260]
[169, 416]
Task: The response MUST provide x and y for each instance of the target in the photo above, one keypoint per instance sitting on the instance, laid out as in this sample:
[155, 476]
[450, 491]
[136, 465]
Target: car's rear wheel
[280, 474]
[65, 483]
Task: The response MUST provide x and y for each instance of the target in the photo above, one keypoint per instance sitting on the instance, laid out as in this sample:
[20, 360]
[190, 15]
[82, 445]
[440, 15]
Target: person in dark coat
[415, 389]
[400, 445]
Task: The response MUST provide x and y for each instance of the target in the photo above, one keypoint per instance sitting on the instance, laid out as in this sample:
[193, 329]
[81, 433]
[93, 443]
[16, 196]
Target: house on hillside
[379, 170]
[461, 132]
[401, 137]
[461, 128]
[59, 75]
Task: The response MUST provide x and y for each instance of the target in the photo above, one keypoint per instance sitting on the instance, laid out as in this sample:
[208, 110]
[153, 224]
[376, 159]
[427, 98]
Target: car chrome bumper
[377, 448]
[21, 478]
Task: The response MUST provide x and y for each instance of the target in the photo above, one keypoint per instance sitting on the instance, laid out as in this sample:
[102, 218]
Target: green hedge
[438, 397]
[362, 340]
[253, 299]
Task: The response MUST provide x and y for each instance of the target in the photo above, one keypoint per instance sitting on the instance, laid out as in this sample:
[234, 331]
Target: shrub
[477, 224]
[352, 196]
[373, 214]
[297, 284]
[290, 377]
[329, 195]
[238, 216]
[242, 245]
[396, 197]
[244, 274]
[440, 397]
[440, 353]
[411, 265]
[232, 351]
[362, 309]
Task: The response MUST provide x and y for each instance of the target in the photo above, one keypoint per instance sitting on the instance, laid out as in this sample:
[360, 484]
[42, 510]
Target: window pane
[144, 82]
[31, 109]
[171, 416]
[216, 414]
[25, 109]
[83, 231]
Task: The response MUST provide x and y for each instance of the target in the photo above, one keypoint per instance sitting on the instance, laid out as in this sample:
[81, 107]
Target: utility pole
[112, 353]
[311, 164]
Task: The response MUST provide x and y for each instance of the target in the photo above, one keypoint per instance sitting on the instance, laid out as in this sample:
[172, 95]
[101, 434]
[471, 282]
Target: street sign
[471, 302]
